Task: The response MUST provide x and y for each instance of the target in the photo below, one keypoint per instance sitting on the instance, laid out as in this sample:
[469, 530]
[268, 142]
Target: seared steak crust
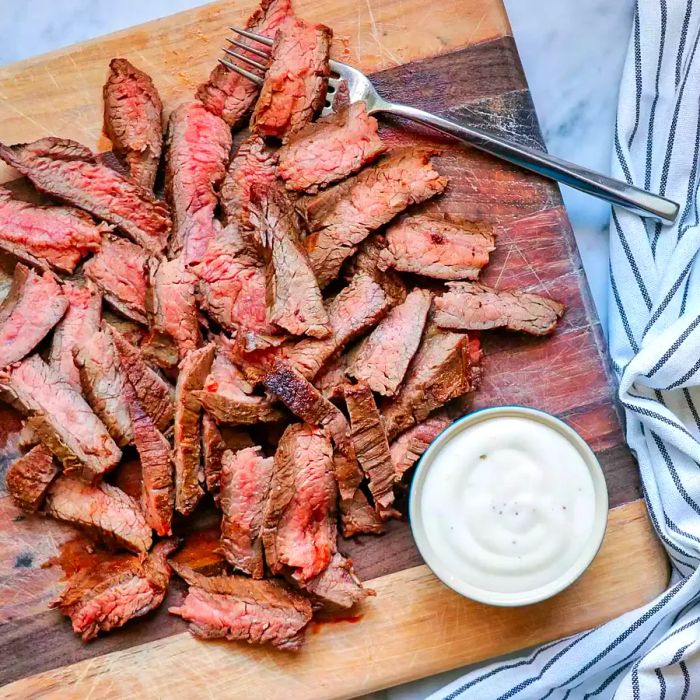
[338, 586]
[357, 516]
[29, 477]
[409, 447]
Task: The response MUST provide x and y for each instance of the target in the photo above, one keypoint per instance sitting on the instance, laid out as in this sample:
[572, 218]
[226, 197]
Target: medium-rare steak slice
[293, 297]
[299, 530]
[295, 81]
[32, 307]
[62, 419]
[253, 164]
[133, 120]
[382, 358]
[441, 370]
[354, 310]
[338, 586]
[172, 304]
[357, 517]
[29, 477]
[80, 322]
[437, 248]
[243, 609]
[468, 306]
[330, 149]
[199, 144]
[189, 474]
[245, 484]
[59, 236]
[228, 94]
[333, 376]
[409, 447]
[342, 216]
[102, 509]
[119, 271]
[152, 391]
[102, 598]
[104, 384]
[371, 446]
[71, 172]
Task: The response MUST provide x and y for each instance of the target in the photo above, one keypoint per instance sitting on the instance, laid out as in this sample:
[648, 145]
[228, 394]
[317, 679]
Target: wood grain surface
[456, 58]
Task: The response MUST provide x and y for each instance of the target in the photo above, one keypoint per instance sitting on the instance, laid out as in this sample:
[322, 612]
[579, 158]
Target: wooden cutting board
[454, 57]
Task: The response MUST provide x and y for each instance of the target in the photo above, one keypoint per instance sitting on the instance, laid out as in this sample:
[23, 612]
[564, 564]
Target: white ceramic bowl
[588, 550]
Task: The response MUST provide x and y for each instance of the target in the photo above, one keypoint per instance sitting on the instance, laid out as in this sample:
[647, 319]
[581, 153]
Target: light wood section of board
[413, 628]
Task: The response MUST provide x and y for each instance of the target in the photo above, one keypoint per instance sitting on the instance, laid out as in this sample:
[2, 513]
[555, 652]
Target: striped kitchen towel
[654, 305]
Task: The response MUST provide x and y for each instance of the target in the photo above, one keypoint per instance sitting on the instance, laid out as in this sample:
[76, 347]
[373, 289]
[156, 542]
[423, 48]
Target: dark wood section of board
[566, 374]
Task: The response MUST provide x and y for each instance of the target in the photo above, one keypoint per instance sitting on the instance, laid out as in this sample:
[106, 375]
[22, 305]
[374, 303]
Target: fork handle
[620, 193]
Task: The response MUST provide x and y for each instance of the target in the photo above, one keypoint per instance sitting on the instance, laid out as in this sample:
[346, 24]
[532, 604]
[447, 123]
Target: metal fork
[360, 88]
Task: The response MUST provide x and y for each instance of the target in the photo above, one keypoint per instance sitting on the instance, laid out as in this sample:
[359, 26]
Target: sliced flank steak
[80, 322]
[69, 171]
[32, 307]
[333, 376]
[62, 419]
[105, 597]
[103, 509]
[243, 609]
[295, 81]
[330, 149]
[104, 384]
[29, 477]
[189, 474]
[342, 216]
[437, 248]
[293, 297]
[226, 93]
[245, 484]
[253, 165]
[338, 586]
[357, 517]
[382, 359]
[467, 306]
[172, 304]
[119, 271]
[299, 530]
[409, 447]
[199, 144]
[133, 120]
[57, 236]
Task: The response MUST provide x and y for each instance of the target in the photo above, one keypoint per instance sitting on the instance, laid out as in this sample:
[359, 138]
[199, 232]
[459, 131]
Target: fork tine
[250, 49]
[247, 60]
[245, 73]
[255, 37]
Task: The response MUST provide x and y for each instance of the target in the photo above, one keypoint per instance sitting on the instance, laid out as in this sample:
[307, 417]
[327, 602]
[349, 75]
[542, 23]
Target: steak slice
[295, 81]
[299, 530]
[383, 357]
[437, 248]
[409, 447]
[188, 449]
[242, 609]
[71, 172]
[104, 384]
[371, 446]
[245, 484]
[173, 305]
[357, 516]
[338, 586]
[29, 477]
[468, 306]
[119, 271]
[152, 391]
[102, 509]
[199, 144]
[32, 307]
[103, 598]
[293, 297]
[253, 164]
[228, 94]
[80, 322]
[330, 149]
[62, 419]
[58, 236]
[333, 377]
[353, 311]
[232, 285]
[441, 370]
[342, 216]
[133, 120]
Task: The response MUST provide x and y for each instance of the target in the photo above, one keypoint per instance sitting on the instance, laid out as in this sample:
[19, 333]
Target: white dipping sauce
[508, 505]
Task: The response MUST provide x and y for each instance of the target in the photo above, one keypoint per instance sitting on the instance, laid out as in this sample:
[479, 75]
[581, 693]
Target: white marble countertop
[572, 52]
